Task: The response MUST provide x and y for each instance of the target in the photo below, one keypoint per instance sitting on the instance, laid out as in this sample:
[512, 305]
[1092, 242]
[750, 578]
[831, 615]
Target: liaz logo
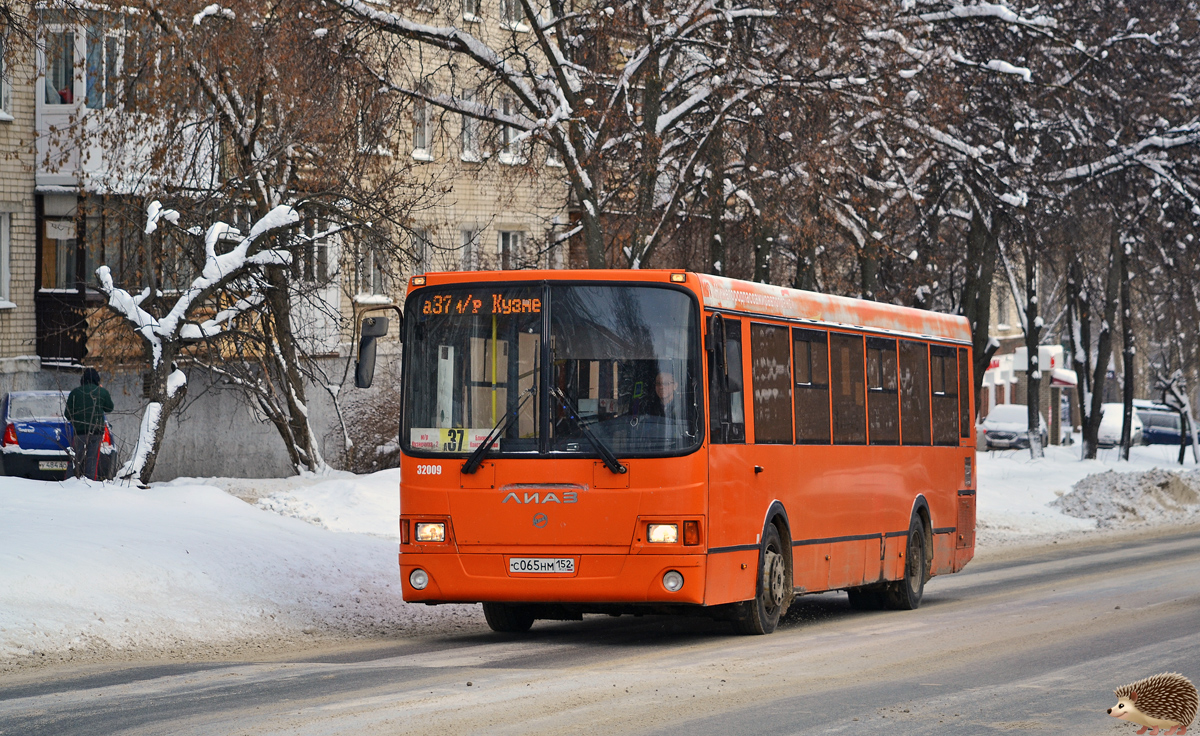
[549, 497]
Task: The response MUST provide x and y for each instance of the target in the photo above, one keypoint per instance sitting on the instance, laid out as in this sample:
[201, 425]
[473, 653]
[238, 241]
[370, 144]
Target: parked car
[1112, 417]
[36, 438]
[1007, 426]
[1160, 424]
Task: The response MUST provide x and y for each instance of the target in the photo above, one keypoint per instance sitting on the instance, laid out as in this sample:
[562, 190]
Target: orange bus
[662, 441]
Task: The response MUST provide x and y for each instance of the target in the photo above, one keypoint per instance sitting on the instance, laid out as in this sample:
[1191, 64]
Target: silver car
[1007, 427]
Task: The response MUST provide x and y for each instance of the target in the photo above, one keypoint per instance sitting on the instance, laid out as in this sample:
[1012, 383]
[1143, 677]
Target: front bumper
[598, 578]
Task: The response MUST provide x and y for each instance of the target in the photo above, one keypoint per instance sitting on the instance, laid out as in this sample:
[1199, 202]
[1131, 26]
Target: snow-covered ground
[103, 570]
[1015, 492]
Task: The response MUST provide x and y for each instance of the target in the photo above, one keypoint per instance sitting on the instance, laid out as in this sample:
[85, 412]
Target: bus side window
[944, 369]
[771, 357]
[914, 393]
[848, 389]
[883, 403]
[964, 395]
[727, 423]
[811, 349]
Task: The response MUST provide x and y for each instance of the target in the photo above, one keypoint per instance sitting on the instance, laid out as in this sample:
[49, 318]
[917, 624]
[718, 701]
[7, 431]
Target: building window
[510, 149]
[422, 143]
[60, 67]
[5, 86]
[103, 67]
[5, 259]
[470, 10]
[470, 249]
[422, 250]
[512, 15]
[508, 248]
[469, 138]
[58, 255]
[312, 261]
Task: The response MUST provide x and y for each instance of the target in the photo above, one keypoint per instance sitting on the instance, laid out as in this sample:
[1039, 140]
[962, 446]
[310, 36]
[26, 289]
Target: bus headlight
[662, 533]
[419, 579]
[672, 581]
[431, 531]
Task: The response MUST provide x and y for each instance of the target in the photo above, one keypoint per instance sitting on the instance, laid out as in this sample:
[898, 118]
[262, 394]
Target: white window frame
[471, 12]
[468, 138]
[422, 249]
[5, 87]
[421, 131]
[512, 16]
[44, 65]
[511, 152]
[109, 96]
[6, 261]
[470, 239]
[508, 247]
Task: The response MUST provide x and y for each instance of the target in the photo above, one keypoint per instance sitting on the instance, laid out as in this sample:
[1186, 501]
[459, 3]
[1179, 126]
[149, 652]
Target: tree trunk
[718, 262]
[154, 417]
[281, 342]
[1127, 351]
[1091, 429]
[1033, 338]
[806, 249]
[1080, 337]
[976, 302]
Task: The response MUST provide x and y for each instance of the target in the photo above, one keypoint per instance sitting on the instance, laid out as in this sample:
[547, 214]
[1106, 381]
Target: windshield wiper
[476, 458]
[610, 460]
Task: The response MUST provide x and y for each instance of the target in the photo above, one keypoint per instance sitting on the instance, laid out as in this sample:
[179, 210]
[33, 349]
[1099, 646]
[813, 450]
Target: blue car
[36, 438]
[1160, 426]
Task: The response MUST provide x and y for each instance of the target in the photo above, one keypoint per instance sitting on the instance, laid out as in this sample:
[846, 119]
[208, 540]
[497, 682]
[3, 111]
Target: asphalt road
[1032, 643]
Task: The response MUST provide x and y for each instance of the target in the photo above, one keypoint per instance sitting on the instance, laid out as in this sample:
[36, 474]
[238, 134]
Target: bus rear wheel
[761, 615]
[905, 594]
[507, 618]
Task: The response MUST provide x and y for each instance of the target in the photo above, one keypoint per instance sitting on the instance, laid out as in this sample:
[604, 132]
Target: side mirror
[364, 370]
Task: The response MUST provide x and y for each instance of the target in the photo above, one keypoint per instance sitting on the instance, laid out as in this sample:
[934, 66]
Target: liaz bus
[661, 441]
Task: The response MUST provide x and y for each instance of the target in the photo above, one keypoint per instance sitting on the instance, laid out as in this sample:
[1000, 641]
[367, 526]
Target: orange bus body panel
[847, 507]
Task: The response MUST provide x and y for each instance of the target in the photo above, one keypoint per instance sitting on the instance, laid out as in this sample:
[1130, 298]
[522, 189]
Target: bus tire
[506, 618]
[905, 594]
[761, 615]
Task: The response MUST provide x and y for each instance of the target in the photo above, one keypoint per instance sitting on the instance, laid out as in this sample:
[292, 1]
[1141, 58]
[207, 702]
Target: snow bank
[1118, 499]
[1016, 495]
[87, 568]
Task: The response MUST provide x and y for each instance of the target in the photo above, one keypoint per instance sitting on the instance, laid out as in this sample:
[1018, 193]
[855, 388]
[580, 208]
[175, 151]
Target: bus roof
[721, 293]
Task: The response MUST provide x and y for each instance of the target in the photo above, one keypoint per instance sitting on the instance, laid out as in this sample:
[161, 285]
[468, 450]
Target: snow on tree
[164, 332]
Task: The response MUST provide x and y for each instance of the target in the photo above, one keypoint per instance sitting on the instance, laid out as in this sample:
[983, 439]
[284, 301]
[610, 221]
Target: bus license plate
[52, 465]
[541, 564]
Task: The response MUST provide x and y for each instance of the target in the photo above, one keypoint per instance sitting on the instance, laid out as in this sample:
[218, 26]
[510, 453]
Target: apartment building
[18, 322]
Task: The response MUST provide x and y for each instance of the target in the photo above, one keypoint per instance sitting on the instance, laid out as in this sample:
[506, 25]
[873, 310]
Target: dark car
[36, 438]
[1160, 426]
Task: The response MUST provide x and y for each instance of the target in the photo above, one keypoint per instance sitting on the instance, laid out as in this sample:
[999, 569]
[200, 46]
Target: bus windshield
[619, 367]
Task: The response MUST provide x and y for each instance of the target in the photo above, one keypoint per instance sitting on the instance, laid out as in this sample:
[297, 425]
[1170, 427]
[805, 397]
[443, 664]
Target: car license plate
[541, 564]
[52, 465]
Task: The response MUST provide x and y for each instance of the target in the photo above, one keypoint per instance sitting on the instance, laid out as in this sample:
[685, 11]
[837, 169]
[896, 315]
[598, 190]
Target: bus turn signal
[691, 533]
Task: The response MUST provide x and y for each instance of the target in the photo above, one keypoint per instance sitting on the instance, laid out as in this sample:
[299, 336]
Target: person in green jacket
[86, 407]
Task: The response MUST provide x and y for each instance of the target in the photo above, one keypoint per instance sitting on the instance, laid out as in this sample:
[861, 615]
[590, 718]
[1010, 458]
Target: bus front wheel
[507, 618]
[761, 615]
[905, 593]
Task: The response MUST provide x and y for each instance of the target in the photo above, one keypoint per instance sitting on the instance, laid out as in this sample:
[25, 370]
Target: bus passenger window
[964, 388]
[811, 348]
[847, 384]
[771, 368]
[727, 423]
[914, 393]
[883, 403]
[944, 378]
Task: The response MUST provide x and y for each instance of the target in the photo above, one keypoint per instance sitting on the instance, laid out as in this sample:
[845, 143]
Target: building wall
[17, 315]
